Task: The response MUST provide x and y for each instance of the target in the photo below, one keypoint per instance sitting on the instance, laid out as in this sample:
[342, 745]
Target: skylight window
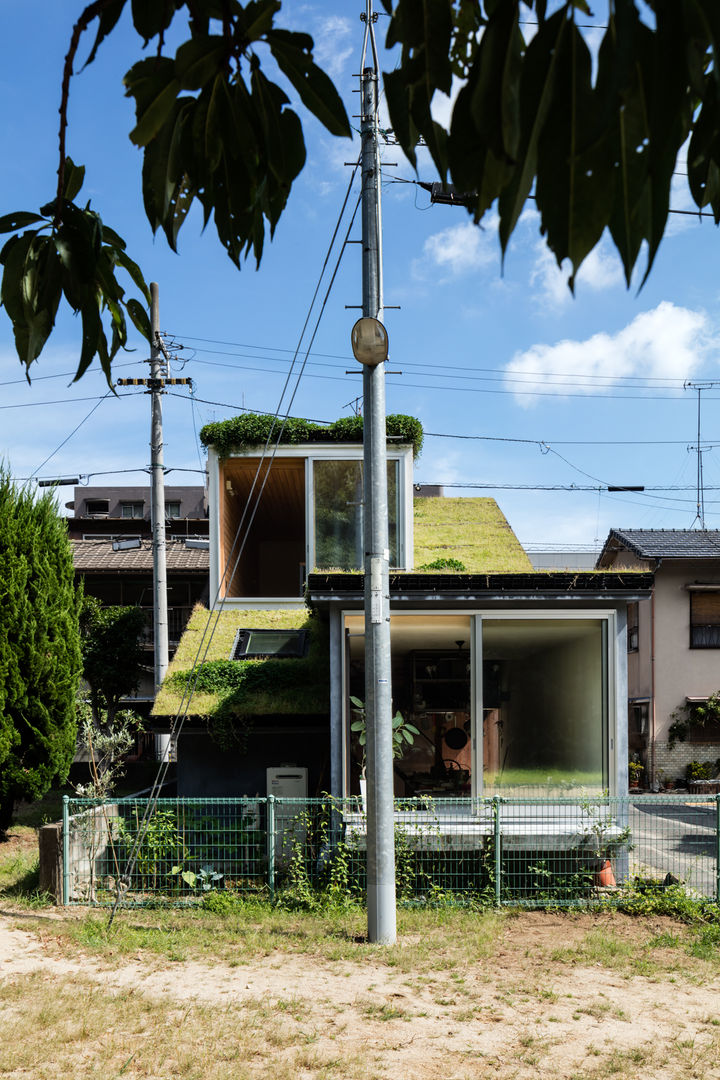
[253, 644]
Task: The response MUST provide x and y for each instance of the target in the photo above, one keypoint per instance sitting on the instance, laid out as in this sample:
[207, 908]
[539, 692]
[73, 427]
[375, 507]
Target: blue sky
[544, 389]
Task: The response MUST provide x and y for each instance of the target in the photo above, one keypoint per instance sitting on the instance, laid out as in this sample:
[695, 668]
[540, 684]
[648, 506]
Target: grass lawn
[259, 991]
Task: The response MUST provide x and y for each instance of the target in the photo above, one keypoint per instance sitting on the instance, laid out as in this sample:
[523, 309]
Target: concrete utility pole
[155, 387]
[378, 687]
[158, 369]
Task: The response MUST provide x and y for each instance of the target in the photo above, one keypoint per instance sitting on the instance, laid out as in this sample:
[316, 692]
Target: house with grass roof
[514, 680]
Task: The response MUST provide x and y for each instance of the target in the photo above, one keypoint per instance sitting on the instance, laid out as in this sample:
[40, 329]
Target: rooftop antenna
[700, 449]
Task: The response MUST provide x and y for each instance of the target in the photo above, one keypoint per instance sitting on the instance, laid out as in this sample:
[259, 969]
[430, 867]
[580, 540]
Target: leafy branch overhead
[598, 151]
[588, 123]
[68, 252]
[212, 126]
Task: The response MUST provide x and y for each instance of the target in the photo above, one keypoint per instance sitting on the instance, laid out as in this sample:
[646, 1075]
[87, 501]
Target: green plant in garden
[403, 731]
[693, 714]
[113, 655]
[40, 658]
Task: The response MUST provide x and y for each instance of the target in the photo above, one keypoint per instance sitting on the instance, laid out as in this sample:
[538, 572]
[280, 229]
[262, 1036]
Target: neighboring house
[516, 680]
[112, 551]
[673, 642]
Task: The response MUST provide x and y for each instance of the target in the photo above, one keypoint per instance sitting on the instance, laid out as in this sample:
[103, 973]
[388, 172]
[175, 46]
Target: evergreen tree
[40, 659]
[112, 655]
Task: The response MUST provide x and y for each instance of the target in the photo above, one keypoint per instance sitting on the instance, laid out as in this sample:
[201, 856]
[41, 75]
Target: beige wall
[680, 671]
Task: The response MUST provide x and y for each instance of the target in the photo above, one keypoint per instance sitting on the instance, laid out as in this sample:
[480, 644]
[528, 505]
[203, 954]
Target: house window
[259, 643]
[704, 619]
[503, 704]
[172, 509]
[97, 507]
[131, 509]
[339, 514]
[632, 627]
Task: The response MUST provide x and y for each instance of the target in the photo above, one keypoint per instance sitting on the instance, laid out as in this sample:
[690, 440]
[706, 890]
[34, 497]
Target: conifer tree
[40, 657]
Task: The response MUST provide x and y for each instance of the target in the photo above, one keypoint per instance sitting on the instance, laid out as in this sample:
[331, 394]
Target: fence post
[717, 849]
[271, 844]
[66, 850]
[498, 853]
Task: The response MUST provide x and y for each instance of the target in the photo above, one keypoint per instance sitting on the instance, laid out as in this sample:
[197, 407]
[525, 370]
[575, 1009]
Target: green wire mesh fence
[501, 851]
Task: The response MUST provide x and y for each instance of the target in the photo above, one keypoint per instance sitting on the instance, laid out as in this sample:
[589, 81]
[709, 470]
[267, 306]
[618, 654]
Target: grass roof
[241, 688]
[474, 532]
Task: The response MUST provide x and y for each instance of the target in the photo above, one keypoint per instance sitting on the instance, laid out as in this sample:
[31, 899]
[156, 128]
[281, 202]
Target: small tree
[106, 744]
[40, 659]
[112, 656]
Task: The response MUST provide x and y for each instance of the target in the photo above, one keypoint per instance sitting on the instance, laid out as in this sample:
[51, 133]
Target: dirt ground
[524, 1008]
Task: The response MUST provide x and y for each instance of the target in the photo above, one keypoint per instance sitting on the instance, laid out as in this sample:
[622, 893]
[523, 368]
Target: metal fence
[502, 851]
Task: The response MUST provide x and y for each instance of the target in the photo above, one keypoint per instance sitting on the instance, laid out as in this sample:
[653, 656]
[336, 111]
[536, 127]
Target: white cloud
[460, 249]
[601, 269]
[334, 44]
[667, 342]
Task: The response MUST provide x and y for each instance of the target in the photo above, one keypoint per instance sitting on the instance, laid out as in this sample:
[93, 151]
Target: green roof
[230, 689]
[473, 531]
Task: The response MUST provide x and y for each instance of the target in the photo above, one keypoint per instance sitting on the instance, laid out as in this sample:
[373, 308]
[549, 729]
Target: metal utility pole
[378, 686]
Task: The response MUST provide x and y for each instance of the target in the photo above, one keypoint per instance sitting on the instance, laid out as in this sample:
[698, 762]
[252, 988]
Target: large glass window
[517, 707]
[338, 504]
[544, 705]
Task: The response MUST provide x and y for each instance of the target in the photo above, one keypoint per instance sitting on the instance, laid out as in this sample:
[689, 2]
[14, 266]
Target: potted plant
[635, 771]
[403, 736]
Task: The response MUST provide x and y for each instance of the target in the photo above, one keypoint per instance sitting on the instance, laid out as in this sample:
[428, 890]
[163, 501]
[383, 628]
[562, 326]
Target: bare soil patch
[568, 997]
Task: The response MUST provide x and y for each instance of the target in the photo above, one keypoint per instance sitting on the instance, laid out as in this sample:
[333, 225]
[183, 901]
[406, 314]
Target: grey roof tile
[98, 555]
[667, 543]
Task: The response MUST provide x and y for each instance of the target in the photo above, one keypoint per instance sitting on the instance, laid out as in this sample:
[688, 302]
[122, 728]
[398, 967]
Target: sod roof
[234, 688]
[473, 531]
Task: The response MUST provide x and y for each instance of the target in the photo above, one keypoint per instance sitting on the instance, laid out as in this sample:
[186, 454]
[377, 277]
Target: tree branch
[92, 11]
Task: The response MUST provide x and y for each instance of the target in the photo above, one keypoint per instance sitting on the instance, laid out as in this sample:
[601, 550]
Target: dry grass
[263, 992]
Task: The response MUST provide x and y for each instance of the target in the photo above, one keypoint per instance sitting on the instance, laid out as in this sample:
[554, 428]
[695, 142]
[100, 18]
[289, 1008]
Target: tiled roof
[98, 555]
[665, 543]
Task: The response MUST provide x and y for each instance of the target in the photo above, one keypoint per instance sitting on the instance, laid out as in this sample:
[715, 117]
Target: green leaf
[107, 21]
[151, 17]
[73, 177]
[293, 53]
[198, 60]
[133, 270]
[573, 194]
[156, 114]
[536, 90]
[146, 81]
[140, 318]
[18, 220]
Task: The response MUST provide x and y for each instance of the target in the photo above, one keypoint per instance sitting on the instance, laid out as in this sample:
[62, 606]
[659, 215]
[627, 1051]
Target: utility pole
[157, 492]
[155, 384]
[378, 686]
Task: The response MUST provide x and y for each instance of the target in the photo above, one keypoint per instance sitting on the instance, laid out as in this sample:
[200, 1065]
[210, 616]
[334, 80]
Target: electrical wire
[238, 545]
[68, 437]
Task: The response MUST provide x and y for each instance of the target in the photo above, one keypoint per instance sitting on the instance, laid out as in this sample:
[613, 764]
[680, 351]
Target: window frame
[698, 591]
[132, 504]
[246, 632]
[633, 625]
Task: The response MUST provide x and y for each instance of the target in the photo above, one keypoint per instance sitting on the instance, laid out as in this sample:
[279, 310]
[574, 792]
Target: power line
[642, 380]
